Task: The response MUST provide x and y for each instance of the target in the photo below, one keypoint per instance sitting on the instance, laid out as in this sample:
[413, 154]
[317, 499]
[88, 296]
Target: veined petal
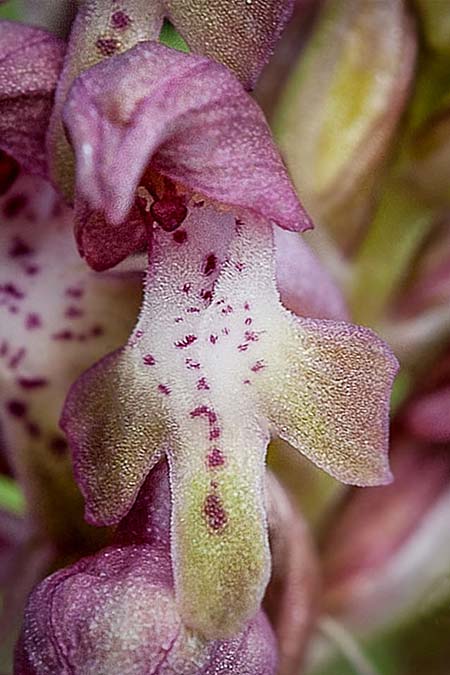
[101, 29]
[241, 35]
[30, 62]
[188, 118]
[57, 318]
[213, 364]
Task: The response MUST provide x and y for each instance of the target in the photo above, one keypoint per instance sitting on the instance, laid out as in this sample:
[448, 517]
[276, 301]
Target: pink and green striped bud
[341, 105]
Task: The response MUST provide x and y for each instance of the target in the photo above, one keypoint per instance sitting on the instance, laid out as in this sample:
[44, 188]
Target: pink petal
[240, 35]
[30, 60]
[186, 116]
[305, 286]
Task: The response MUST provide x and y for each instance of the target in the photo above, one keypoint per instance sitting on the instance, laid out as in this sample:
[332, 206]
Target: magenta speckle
[251, 336]
[215, 458]
[73, 292]
[225, 331]
[242, 347]
[213, 339]
[239, 266]
[73, 312]
[214, 433]
[193, 310]
[12, 291]
[149, 360]
[210, 264]
[164, 389]
[120, 20]
[248, 321]
[178, 319]
[13, 309]
[31, 270]
[214, 513]
[63, 335]
[97, 330]
[186, 288]
[202, 384]
[180, 237]
[19, 248]
[192, 365]
[107, 46]
[247, 307]
[32, 382]
[186, 341]
[259, 365]
[16, 408]
[33, 321]
[247, 382]
[227, 310]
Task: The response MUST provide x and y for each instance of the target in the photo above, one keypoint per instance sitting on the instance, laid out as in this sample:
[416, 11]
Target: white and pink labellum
[57, 318]
[214, 367]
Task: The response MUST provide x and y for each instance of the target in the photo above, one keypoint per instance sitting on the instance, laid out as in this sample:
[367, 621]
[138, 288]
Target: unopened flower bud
[341, 106]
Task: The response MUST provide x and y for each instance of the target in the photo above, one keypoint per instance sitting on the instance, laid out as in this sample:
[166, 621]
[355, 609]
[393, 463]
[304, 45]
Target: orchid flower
[215, 365]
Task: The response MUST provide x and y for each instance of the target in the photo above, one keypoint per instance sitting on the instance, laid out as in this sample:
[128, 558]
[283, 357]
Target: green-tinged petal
[220, 546]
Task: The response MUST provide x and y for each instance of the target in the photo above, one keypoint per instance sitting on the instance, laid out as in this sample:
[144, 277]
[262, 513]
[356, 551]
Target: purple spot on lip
[31, 270]
[73, 312]
[215, 458]
[149, 360]
[63, 335]
[32, 382]
[16, 408]
[19, 248]
[214, 512]
[120, 20]
[164, 389]
[33, 321]
[72, 292]
[107, 46]
[12, 291]
[186, 341]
